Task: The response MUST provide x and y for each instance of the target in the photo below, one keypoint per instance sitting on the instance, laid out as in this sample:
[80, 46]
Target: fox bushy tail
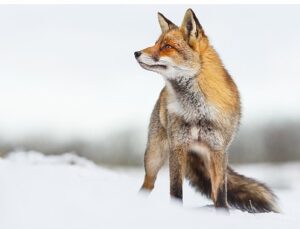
[248, 194]
[243, 193]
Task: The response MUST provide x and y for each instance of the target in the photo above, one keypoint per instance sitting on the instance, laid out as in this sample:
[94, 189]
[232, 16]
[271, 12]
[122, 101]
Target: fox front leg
[177, 164]
[155, 157]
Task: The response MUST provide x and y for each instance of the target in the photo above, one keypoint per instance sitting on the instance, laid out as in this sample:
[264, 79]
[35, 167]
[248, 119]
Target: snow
[67, 191]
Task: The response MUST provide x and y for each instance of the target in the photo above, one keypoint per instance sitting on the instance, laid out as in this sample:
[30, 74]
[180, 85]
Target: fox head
[177, 52]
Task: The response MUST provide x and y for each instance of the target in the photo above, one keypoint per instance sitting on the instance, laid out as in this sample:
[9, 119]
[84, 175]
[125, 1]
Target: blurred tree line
[270, 142]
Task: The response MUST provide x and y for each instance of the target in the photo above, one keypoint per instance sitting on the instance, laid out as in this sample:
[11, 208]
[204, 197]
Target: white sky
[70, 70]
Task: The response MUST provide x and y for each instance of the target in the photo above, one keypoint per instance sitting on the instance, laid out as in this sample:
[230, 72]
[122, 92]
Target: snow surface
[67, 191]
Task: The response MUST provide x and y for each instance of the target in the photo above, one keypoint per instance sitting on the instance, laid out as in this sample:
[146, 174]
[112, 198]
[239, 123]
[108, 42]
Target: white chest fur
[187, 101]
[173, 105]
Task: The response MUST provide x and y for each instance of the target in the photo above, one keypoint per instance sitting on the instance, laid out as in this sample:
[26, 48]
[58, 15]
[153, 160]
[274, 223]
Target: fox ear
[165, 24]
[191, 27]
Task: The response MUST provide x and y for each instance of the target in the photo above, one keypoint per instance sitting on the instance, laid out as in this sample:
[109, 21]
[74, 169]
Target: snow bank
[67, 191]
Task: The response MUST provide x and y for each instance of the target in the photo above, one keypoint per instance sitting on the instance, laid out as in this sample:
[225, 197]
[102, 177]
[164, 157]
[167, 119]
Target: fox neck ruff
[187, 100]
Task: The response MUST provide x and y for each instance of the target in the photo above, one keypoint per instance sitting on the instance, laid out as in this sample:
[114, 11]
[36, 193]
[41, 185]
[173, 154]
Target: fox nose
[137, 54]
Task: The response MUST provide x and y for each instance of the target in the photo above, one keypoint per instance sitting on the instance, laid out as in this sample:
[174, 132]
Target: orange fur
[216, 84]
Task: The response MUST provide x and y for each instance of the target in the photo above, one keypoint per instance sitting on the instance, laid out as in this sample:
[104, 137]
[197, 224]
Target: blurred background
[69, 81]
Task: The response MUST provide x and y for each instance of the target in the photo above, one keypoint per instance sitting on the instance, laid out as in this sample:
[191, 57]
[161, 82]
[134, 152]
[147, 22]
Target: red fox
[195, 119]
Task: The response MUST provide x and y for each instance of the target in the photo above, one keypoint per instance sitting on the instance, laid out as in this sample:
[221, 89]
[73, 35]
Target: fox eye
[166, 46]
